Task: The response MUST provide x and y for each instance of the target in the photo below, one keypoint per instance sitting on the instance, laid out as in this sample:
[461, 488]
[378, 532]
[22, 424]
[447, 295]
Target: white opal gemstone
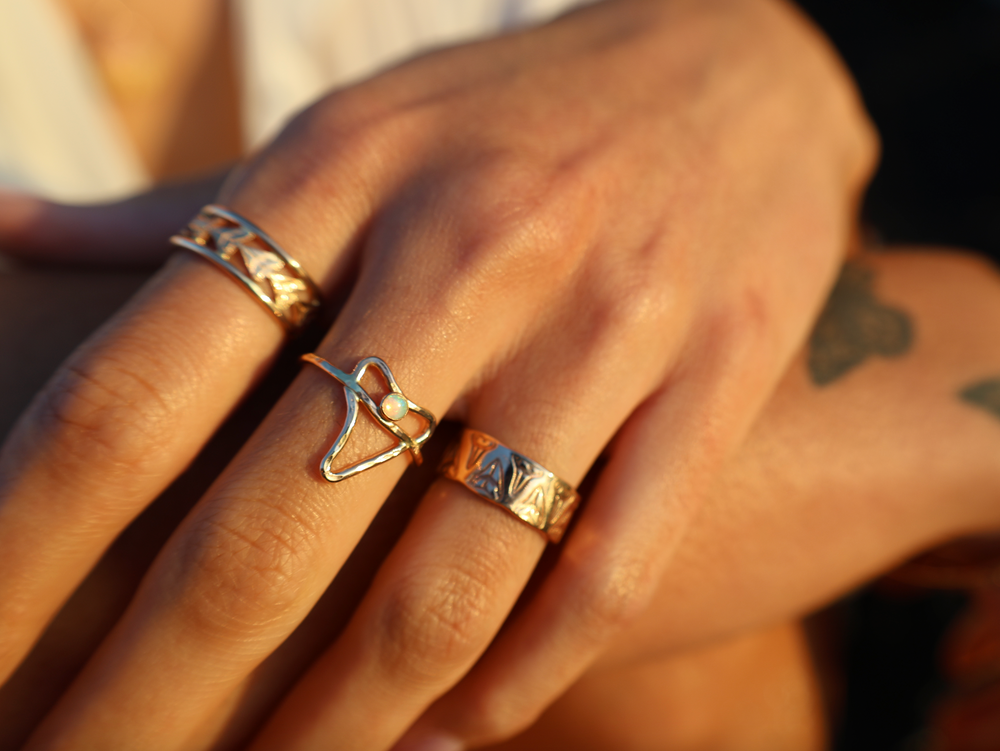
[394, 407]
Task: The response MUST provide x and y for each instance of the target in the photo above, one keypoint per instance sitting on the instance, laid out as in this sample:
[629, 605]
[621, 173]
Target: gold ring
[392, 408]
[512, 481]
[253, 259]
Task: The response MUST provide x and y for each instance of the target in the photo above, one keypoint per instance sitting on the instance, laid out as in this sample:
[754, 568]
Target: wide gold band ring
[392, 408]
[245, 252]
[512, 481]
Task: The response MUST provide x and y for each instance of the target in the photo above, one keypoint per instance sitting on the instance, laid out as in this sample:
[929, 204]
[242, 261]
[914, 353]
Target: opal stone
[394, 407]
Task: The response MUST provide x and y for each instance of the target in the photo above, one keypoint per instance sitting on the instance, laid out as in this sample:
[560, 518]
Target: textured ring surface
[512, 481]
[257, 262]
[393, 407]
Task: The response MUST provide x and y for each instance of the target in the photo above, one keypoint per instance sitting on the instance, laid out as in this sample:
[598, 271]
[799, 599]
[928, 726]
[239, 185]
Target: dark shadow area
[892, 677]
[929, 72]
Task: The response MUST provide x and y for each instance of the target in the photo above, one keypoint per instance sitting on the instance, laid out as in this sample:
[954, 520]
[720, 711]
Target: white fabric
[59, 136]
[295, 50]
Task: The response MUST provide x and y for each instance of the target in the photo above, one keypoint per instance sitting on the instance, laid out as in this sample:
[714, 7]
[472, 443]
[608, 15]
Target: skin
[844, 478]
[562, 201]
[160, 64]
[755, 692]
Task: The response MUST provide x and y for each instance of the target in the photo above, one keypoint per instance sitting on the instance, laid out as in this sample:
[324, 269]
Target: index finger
[135, 403]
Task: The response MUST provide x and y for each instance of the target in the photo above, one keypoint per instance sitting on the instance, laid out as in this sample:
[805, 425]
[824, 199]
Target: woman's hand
[753, 692]
[618, 225]
[833, 485]
[844, 477]
[866, 454]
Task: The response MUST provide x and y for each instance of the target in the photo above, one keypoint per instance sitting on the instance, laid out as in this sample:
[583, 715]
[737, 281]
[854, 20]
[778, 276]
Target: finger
[610, 563]
[249, 563]
[754, 691]
[251, 560]
[742, 570]
[455, 575]
[127, 233]
[256, 554]
[131, 408]
[430, 613]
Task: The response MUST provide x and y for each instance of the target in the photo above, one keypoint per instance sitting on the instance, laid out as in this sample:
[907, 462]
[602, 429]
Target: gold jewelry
[227, 239]
[393, 408]
[512, 481]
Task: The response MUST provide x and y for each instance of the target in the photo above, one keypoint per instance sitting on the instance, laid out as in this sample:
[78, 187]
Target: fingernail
[431, 742]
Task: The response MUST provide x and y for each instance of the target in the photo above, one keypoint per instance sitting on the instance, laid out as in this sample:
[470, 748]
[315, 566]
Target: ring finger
[451, 581]
[254, 556]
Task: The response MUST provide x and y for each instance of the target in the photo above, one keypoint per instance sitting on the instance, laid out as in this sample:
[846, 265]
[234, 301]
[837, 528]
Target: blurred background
[929, 71]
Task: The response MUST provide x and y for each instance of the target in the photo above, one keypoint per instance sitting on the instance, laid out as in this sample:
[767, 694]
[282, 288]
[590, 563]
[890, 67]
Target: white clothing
[59, 136]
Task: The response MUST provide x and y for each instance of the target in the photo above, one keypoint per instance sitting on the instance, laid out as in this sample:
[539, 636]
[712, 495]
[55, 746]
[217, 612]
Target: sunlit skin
[643, 205]
[834, 481]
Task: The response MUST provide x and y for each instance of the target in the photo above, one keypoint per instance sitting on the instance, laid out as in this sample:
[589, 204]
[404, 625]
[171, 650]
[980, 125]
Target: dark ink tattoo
[854, 326]
[983, 394]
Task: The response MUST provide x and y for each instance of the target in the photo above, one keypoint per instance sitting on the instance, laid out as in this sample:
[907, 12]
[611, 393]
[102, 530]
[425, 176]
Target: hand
[759, 690]
[841, 480]
[881, 441]
[618, 224]
[866, 454]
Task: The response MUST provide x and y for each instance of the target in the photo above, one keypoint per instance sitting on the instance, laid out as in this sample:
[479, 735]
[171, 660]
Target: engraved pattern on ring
[513, 481]
[246, 252]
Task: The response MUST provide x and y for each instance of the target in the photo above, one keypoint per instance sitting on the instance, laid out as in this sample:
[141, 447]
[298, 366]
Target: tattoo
[853, 326]
[983, 394]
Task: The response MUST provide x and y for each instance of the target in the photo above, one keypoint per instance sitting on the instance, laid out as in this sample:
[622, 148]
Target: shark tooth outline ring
[269, 274]
[393, 407]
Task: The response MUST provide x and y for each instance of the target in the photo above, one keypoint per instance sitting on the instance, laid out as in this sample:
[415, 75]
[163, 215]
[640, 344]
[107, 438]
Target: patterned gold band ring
[257, 262]
[512, 481]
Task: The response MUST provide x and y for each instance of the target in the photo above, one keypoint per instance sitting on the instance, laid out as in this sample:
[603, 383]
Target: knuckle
[609, 598]
[240, 573]
[630, 313]
[740, 332]
[432, 623]
[338, 147]
[344, 124]
[635, 303]
[514, 220]
[104, 412]
[496, 714]
[868, 146]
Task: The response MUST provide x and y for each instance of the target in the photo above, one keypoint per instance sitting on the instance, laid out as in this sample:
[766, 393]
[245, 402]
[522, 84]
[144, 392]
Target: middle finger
[251, 560]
